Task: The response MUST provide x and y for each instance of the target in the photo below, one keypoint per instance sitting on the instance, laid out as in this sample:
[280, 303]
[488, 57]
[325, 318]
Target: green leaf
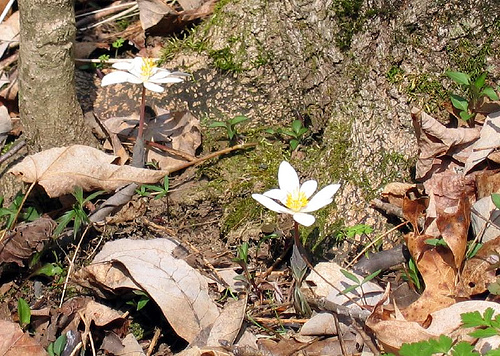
[142, 303]
[59, 345]
[443, 344]
[422, 348]
[349, 275]
[217, 124]
[490, 93]
[302, 131]
[488, 315]
[23, 312]
[464, 115]
[49, 270]
[371, 276]
[349, 289]
[472, 319]
[459, 102]
[238, 119]
[294, 144]
[463, 349]
[64, 221]
[482, 333]
[296, 126]
[270, 131]
[494, 288]
[436, 242]
[458, 77]
[495, 352]
[289, 133]
[480, 81]
[50, 349]
[93, 195]
[495, 198]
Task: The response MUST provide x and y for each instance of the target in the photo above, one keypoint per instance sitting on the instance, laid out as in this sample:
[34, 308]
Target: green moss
[350, 20]
[467, 57]
[395, 74]
[225, 60]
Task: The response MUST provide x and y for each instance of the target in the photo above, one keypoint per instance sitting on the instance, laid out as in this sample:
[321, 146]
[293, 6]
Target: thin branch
[12, 151]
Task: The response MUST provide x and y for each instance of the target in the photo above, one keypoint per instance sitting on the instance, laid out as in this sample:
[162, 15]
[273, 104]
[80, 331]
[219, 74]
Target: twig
[72, 262]
[12, 151]
[367, 339]
[173, 151]
[374, 242]
[117, 16]
[76, 349]
[339, 333]
[154, 341]
[98, 14]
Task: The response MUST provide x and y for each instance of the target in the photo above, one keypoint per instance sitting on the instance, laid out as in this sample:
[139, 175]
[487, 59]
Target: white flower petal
[122, 65]
[118, 77]
[165, 80]
[270, 204]
[153, 87]
[277, 194]
[309, 187]
[322, 198]
[304, 219]
[287, 177]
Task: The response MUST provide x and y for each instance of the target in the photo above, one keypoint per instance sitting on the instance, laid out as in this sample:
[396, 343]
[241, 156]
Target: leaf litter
[453, 166]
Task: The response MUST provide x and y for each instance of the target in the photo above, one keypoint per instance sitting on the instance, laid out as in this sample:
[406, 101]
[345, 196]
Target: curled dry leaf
[486, 220]
[435, 264]
[180, 291]
[395, 192]
[178, 130]
[228, 324]
[489, 140]
[26, 239]
[481, 270]
[58, 170]
[436, 140]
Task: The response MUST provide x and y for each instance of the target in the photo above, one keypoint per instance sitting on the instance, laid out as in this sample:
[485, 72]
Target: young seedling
[296, 132]
[412, 274]
[56, 348]
[117, 45]
[358, 283]
[141, 302]
[24, 313]
[475, 90]
[159, 192]
[77, 213]
[299, 270]
[103, 58]
[242, 259]
[27, 214]
[230, 126]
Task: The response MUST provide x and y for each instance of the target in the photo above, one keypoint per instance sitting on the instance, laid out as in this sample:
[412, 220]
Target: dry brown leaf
[178, 289]
[26, 239]
[436, 265]
[319, 324]
[393, 333]
[480, 271]
[14, 342]
[9, 30]
[489, 140]
[151, 12]
[436, 140]
[486, 220]
[178, 130]
[190, 4]
[58, 170]
[395, 192]
[228, 324]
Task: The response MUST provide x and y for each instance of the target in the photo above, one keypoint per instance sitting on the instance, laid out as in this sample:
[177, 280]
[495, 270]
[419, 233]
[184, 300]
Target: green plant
[24, 313]
[299, 270]
[475, 90]
[230, 126]
[159, 192]
[57, 347]
[352, 231]
[10, 213]
[103, 58]
[77, 213]
[436, 242]
[117, 45]
[296, 132]
[358, 283]
[412, 274]
[141, 302]
[242, 259]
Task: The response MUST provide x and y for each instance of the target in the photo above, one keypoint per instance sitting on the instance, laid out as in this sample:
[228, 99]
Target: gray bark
[50, 112]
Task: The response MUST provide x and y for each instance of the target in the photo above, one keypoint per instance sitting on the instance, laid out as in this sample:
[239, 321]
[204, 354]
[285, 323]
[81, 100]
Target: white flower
[142, 71]
[294, 198]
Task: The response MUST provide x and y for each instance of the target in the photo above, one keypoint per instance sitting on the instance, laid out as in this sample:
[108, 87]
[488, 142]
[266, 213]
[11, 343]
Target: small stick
[173, 151]
[12, 151]
[339, 333]
[154, 341]
[117, 16]
[72, 262]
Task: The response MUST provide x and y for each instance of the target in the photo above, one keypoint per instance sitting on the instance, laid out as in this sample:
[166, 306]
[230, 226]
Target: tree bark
[49, 110]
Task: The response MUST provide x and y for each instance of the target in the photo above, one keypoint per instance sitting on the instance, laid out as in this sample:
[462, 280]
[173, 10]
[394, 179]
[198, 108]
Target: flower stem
[296, 236]
[139, 147]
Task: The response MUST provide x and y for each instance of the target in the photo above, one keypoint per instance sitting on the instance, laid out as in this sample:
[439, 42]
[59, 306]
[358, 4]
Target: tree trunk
[49, 110]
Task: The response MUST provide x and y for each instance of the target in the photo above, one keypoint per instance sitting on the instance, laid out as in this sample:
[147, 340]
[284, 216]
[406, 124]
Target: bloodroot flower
[294, 198]
[142, 71]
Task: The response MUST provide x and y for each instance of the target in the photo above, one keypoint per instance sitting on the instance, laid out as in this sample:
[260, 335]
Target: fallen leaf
[392, 333]
[178, 289]
[481, 270]
[26, 239]
[58, 170]
[5, 124]
[151, 12]
[436, 140]
[14, 342]
[489, 140]
[228, 324]
[486, 220]
[395, 192]
[319, 324]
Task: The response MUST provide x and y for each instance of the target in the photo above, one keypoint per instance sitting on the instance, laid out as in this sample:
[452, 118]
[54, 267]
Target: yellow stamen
[296, 200]
[147, 67]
